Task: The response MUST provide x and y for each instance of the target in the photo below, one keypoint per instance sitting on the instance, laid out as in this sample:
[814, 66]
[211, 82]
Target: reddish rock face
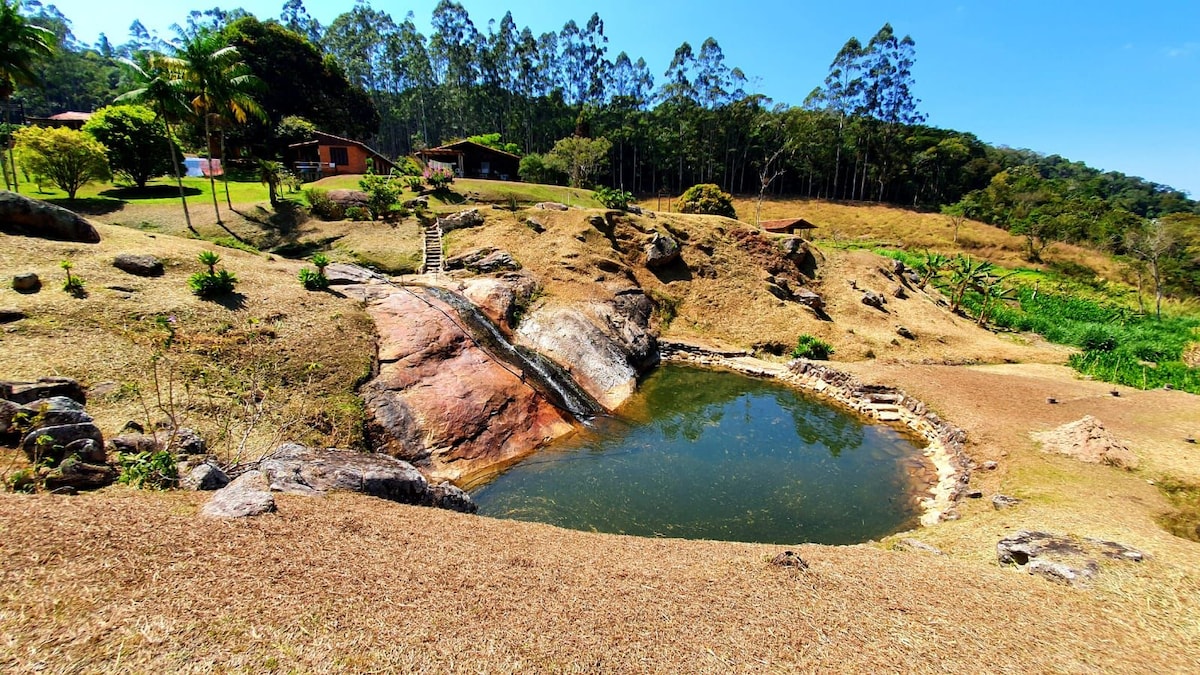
[441, 402]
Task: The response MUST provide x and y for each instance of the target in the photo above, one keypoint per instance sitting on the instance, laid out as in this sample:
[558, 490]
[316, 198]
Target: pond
[708, 454]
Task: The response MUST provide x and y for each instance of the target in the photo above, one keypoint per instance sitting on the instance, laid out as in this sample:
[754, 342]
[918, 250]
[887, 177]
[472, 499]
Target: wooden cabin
[329, 155]
[468, 159]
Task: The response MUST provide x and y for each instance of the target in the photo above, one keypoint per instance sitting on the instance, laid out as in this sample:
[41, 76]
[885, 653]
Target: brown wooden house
[329, 155]
[788, 226]
[468, 159]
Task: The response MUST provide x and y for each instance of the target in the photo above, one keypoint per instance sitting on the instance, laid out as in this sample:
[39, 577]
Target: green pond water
[706, 454]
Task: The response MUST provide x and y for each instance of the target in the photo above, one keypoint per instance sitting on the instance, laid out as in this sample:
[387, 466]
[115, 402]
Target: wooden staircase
[433, 249]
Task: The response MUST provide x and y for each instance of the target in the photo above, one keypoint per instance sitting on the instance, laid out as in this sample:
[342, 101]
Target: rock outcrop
[1087, 440]
[660, 251]
[460, 220]
[55, 433]
[34, 218]
[1061, 558]
[440, 400]
[484, 260]
[502, 298]
[248, 495]
[604, 346]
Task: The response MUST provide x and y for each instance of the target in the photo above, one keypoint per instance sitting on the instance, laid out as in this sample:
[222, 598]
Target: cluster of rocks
[296, 469]
[48, 421]
[461, 219]
[1061, 558]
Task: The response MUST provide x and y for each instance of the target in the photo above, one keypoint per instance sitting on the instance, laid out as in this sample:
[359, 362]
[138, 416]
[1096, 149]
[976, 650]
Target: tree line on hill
[859, 135]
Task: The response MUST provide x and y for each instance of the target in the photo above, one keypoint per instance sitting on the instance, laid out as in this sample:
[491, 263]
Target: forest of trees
[860, 134]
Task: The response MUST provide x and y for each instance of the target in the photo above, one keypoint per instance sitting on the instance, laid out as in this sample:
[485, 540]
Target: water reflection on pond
[705, 454]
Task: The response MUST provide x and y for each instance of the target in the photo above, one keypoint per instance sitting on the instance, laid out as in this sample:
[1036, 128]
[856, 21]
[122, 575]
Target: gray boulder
[297, 469]
[205, 476]
[34, 218]
[873, 299]
[550, 206]
[138, 264]
[460, 220]
[52, 442]
[446, 496]
[905, 333]
[809, 299]
[246, 496]
[46, 387]
[661, 251]
[26, 282]
[55, 411]
[484, 260]
[348, 198]
[1000, 502]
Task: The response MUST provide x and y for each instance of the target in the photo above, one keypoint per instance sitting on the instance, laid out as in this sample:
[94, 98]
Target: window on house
[339, 156]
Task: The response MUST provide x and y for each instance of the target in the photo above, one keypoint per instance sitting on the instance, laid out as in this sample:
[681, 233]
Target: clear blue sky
[1114, 84]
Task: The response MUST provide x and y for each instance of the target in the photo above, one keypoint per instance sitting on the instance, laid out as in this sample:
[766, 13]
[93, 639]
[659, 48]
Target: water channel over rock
[707, 454]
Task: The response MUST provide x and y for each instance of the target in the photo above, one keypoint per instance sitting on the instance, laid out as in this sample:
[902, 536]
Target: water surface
[706, 454]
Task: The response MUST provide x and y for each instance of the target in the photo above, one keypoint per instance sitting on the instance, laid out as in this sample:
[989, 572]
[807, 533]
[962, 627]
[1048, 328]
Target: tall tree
[162, 93]
[22, 46]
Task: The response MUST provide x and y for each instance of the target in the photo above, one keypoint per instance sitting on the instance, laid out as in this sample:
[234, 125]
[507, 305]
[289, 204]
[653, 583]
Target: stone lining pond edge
[944, 441]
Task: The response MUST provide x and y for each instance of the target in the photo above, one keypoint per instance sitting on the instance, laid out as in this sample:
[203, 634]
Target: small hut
[468, 159]
[328, 155]
[788, 226]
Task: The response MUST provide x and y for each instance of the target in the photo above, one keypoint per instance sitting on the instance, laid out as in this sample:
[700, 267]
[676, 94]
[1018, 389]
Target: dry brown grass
[122, 581]
[296, 353]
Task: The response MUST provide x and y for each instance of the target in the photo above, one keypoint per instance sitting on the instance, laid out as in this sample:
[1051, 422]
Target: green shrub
[313, 280]
[535, 169]
[211, 282]
[414, 183]
[612, 198]
[382, 194]
[809, 347]
[408, 167]
[357, 213]
[321, 206]
[1097, 338]
[149, 469]
[708, 199]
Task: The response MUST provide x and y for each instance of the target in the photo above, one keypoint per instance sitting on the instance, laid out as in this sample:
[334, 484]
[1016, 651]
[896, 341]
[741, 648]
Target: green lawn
[487, 191]
[99, 198]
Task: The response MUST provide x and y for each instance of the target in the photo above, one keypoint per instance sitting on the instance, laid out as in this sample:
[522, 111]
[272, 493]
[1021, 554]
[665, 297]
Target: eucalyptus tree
[22, 46]
[840, 97]
[454, 48]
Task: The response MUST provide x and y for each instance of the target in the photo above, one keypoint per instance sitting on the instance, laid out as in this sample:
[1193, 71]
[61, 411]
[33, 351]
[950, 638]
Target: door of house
[485, 168]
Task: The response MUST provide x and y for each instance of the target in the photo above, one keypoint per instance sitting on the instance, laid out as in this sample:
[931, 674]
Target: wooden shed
[468, 159]
[329, 155]
[788, 226]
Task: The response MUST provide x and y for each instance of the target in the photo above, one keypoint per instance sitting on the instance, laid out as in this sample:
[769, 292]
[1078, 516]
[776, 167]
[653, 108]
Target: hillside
[123, 579]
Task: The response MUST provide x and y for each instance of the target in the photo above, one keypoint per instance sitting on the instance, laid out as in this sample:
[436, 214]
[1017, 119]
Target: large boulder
[605, 346]
[1087, 440]
[34, 218]
[440, 401]
[502, 298]
[460, 220]
[297, 469]
[204, 476]
[661, 250]
[139, 264]
[54, 411]
[348, 198]
[248, 495]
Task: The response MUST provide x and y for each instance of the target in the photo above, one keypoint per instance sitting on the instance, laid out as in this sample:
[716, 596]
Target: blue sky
[1113, 84]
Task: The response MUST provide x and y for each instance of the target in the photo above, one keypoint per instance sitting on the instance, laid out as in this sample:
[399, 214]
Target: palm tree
[165, 97]
[22, 45]
[219, 83]
[270, 174]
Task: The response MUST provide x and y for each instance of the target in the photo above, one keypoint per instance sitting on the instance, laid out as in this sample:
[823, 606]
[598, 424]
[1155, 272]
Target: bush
[414, 183]
[612, 198]
[211, 283]
[136, 141]
[357, 213]
[708, 199]
[438, 178]
[535, 169]
[67, 158]
[407, 167]
[809, 347]
[154, 470]
[321, 206]
[313, 280]
[1098, 338]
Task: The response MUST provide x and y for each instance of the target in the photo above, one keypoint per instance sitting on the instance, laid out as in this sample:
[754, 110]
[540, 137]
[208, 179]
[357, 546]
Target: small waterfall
[546, 376]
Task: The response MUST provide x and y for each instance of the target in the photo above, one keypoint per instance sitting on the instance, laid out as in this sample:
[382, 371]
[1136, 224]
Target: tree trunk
[212, 181]
[179, 179]
[225, 172]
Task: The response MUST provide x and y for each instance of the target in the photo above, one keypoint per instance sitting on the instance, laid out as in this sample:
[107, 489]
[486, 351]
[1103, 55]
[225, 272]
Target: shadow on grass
[149, 192]
[233, 300]
[89, 206]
